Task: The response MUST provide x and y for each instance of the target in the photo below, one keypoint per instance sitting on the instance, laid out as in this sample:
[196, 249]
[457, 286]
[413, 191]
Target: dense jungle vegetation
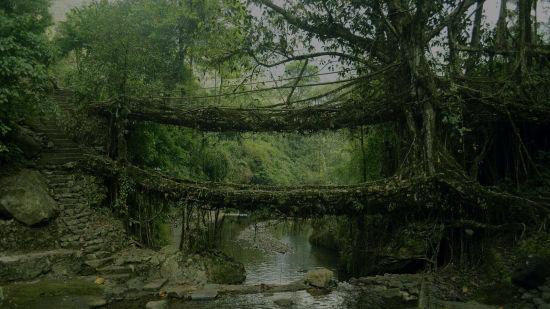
[427, 88]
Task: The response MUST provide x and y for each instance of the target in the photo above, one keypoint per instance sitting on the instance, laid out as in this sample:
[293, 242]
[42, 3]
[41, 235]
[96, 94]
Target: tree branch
[459, 10]
[334, 30]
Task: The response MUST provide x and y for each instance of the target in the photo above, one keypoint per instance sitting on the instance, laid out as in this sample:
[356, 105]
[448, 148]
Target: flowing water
[279, 268]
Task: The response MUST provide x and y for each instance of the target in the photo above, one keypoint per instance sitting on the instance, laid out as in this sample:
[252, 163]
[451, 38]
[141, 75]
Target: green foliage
[215, 165]
[24, 57]
[494, 267]
[368, 155]
[537, 244]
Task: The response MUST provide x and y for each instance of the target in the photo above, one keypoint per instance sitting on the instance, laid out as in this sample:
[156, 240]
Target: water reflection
[273, 267]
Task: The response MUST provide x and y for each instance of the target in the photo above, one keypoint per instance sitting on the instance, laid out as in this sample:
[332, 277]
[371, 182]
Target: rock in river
[25, 197]
[319, 278]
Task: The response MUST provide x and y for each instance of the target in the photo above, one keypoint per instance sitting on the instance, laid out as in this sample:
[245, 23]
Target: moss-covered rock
[24, 295]
[25, 197]
[501, 293]
[320, 278]
[222, 269]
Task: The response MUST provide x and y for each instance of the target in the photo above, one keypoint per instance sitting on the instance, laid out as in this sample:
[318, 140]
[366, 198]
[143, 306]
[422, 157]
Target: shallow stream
[284, 268]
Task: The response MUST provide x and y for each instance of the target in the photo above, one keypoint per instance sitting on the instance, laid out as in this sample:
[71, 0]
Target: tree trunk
[501, 24]
[476, 35]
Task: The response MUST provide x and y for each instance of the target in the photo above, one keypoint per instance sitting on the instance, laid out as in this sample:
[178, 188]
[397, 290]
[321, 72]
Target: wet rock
[531, 272]
[461, 305]
[33, 265]
[177, 291]
[115, 292]
[94, 301]
[159, 304]
[208, 292]
[66, 302]
[135, 284]
[320, 278]
[154, 285]
[25, 197]
[285, 302]
[222, 269]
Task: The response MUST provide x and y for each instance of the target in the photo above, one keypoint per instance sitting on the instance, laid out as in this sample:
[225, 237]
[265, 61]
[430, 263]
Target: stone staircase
[61, 149]
[98, 236]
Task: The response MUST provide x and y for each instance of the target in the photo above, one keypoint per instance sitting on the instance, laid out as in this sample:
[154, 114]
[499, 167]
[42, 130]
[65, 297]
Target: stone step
[72, 222]
[154, 285]
[65, 143]
[71, 207]
[58, 176]
[59, 184]
[97, 263]
[99, 255]
[67, 195]
[53, 135]
[79, 215]
[93, 248]
[62, 139]
[113, 269]
[53, 155]
[51, 129]
[64, 149]
[66, 201]
[58, 161]
[67, 189]
[54, 170]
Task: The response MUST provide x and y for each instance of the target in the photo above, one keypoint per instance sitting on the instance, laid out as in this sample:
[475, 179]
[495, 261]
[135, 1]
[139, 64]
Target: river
[279, 268]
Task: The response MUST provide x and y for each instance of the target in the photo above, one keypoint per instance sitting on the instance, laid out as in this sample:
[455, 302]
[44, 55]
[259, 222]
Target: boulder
[32, 265]
[25, 197]
[319, 278]
[222, 269]
[27, 141]
[531, 272]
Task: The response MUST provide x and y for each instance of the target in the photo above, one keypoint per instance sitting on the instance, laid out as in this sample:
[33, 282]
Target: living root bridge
[403, 198]
[347, 114]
